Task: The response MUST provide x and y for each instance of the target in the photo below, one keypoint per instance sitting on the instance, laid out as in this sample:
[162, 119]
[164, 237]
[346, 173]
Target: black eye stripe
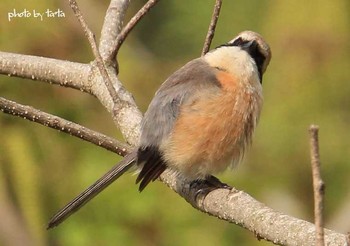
[252, 49]
[258, 58]
[237, 42]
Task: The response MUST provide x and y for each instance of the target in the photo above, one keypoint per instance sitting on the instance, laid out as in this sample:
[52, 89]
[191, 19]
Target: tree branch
[111, 28]
[84, 77]
[240, 208]
[318, 184]
[231, 205]
[58, 123]
[65, 73]
[123, 102]
[131, 24]
[212, 26]
[99, 62]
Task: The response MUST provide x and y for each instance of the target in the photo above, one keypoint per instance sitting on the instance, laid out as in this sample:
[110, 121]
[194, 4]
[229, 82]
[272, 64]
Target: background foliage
[307, 82]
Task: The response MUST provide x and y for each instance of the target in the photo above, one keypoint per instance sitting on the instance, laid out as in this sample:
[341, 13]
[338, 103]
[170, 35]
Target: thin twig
[131, 24]
[91, 37]
[318, 184]
[55, 122]
[212, 26]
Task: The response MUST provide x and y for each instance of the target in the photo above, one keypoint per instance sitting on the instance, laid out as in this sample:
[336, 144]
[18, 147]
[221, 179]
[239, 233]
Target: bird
[200, 121]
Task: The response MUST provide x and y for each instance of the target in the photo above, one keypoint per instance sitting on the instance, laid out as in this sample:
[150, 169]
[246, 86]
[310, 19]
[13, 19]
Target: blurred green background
[308, 81]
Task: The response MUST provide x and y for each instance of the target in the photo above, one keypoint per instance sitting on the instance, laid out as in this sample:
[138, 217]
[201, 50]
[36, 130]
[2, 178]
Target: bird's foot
[205, 186]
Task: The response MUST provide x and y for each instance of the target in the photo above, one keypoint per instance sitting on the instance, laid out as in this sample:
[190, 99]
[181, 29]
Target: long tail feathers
[116, 171]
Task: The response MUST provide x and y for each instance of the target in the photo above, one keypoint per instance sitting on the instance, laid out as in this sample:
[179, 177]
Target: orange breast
[212, 132]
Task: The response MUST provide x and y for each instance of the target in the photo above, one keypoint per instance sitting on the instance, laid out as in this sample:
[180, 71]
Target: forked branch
[131, 24]
[100, 64]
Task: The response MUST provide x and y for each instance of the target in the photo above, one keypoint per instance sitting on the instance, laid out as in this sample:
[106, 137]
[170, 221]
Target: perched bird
[199, 122]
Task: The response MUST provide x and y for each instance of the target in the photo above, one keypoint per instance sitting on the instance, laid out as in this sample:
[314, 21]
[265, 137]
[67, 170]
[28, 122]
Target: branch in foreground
[84, 77]
[63, 73]
[318, 184]
[55, 122]
[100, 64]
[131, 24]
[111, 28]
[240, 208]
[212, 26]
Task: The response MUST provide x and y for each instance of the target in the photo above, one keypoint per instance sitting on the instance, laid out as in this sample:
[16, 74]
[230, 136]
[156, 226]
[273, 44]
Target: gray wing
[178, 89]
[163, 111]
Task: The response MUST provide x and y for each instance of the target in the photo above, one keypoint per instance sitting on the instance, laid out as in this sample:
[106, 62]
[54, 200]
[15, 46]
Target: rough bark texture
[240, 208]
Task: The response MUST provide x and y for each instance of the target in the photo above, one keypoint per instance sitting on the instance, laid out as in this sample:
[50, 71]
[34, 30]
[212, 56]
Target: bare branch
[99, 61]
[318, 184]
[231, 205]
[123, 103]
[55, 122]
[131, 24]
[212, 26]
[84, 77]
[111, 28]
[64, 73]
[240, 208]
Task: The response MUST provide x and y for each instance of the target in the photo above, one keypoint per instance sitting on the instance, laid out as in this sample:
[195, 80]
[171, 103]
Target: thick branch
[112, 26]
[240, 208]
[53, 71]
[84, 77]
[55, 122]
